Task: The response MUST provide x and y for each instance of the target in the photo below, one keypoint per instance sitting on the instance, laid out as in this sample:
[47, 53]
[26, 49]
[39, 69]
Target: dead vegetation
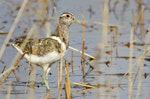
[39, 16]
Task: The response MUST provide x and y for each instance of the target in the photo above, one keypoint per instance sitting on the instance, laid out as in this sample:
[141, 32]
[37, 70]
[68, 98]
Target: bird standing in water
[46, 51]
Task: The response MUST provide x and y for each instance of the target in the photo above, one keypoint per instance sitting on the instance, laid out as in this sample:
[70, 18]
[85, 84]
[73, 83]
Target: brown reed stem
[90, 68]
[85, 54]
[83, 45]
[48, 95]
[67, 82]
[72, 55]
[60, 75]
[9, 90]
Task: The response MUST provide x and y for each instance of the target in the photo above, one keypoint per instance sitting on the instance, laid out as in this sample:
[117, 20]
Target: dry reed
[104, 41]
[135, 62]
[9, 90]
[67, 82]
[83, 46]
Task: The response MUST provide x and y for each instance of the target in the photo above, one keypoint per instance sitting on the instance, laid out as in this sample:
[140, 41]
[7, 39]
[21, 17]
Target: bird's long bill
[81, 23]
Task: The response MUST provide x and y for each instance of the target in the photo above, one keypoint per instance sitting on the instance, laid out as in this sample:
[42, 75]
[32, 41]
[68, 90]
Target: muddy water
[104, 76]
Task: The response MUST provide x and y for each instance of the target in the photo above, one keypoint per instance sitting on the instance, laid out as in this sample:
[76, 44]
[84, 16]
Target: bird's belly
[46, 59]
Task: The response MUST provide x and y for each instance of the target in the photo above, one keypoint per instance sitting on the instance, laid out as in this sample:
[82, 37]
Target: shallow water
[105, 76]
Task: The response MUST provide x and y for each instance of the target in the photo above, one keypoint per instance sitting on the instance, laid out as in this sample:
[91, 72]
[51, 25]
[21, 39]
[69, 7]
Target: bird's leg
[45, 80]
[48, 69]
[45, 76]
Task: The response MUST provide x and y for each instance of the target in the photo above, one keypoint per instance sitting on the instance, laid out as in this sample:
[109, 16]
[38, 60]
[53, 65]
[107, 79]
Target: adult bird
[46, 51]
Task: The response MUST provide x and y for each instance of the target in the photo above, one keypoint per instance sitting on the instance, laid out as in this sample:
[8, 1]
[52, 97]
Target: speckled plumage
[39, 47]
[44, 52]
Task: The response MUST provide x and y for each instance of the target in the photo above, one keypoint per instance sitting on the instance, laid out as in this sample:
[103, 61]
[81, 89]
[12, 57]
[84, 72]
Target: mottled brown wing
[38, 47]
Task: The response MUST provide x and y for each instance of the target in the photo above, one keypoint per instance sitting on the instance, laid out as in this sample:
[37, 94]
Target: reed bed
[92, 78]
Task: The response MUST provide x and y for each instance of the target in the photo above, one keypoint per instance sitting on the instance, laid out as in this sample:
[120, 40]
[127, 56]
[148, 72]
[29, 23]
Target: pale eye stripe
[63, 15]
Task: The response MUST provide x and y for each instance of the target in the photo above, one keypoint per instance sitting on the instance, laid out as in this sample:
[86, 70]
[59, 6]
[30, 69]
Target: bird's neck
[62, 31]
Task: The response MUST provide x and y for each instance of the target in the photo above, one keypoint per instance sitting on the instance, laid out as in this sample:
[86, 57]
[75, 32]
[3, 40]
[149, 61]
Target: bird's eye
[67, 16]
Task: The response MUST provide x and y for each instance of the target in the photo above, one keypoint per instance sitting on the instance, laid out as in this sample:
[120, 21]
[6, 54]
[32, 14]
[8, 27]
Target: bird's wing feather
[38, 47]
